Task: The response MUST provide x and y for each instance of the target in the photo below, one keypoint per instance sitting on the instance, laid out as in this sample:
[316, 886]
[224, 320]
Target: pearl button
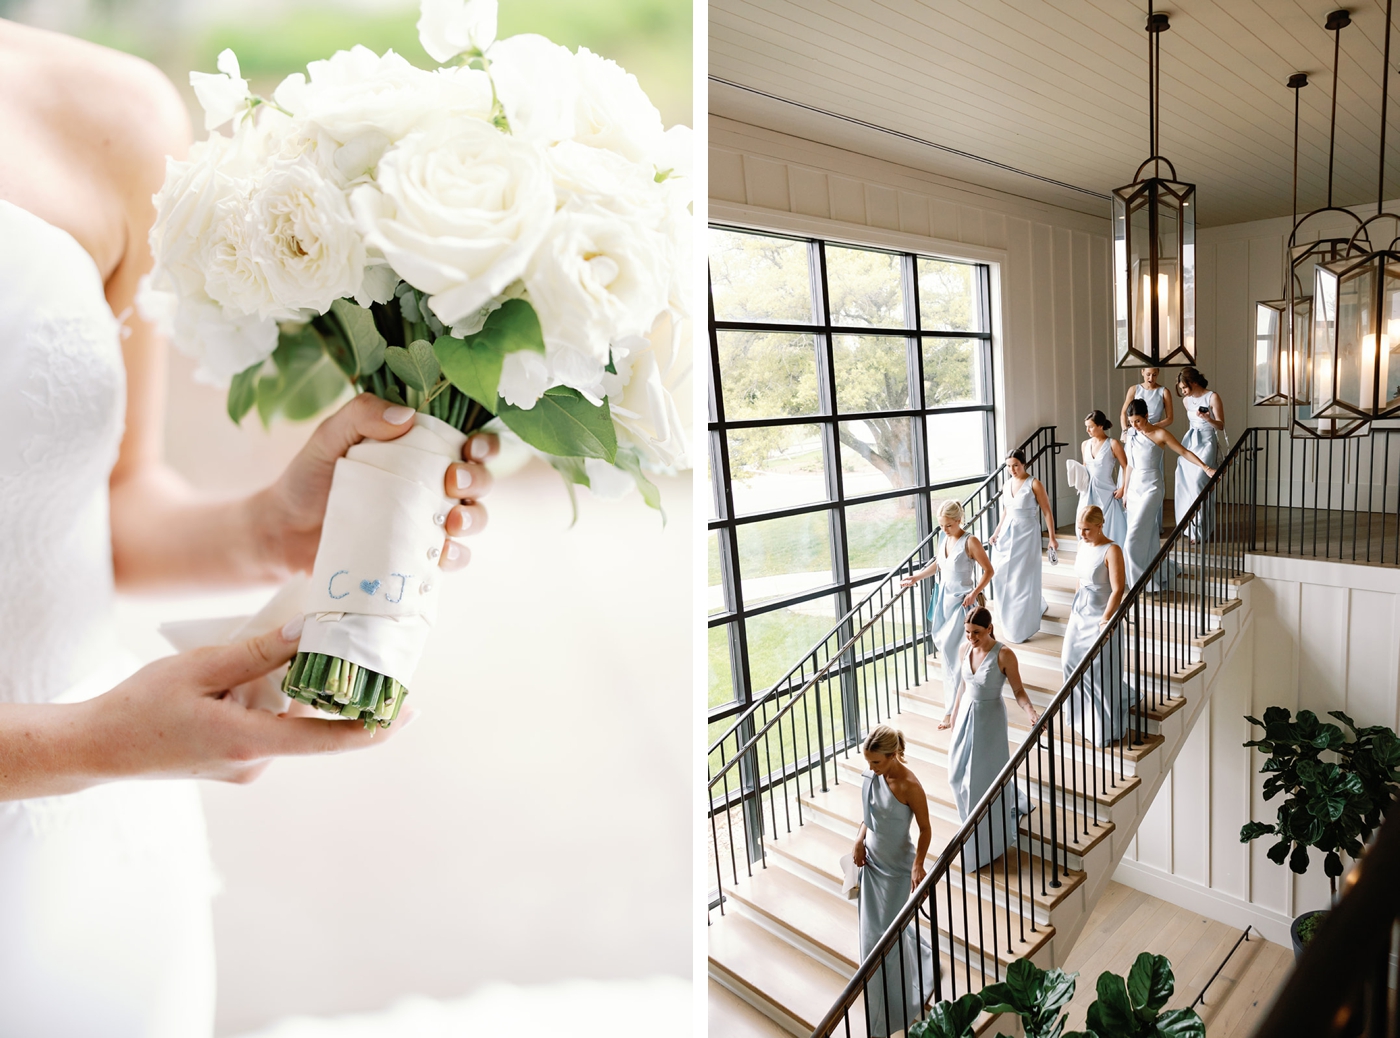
[440, 520]
[424, 588]
[434, 552]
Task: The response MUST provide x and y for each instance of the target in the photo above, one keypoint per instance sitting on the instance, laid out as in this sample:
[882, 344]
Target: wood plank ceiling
[1058, 88]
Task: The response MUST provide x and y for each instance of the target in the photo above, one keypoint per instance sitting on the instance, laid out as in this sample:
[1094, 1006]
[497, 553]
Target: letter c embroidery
[330, 584]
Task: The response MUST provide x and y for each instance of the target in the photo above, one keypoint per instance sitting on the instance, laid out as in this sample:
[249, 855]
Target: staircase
[783, 946]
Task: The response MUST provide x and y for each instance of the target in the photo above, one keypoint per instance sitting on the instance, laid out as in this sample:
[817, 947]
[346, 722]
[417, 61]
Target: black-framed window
[850, 389]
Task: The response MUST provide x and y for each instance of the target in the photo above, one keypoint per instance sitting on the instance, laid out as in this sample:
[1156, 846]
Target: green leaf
[629, 460]
[475, 371]
[563, 423]
[1298, 860]
[949, 1019]
[511, 327]
[362, 337]
[306, 380]
[1179, 1023]
[574, 474]
[243, 392]
[1112, 1012]
[1254, 830]
[417, 366]
[1150, 984]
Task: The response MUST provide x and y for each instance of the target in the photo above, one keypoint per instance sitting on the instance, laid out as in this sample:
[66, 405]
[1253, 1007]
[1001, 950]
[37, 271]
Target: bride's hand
[176, 718]
[291, 510]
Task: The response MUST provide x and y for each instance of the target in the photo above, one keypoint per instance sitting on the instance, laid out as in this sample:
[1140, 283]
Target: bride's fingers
[454, 556]
[302, 736]
[364, 418]
[481, 447]
[467, 480]
[465, 519]
[228, 666]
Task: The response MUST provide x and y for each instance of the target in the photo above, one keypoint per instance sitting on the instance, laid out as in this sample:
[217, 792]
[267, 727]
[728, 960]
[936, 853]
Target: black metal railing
[1345, 984]
[1333, 499]
[823, 706]
[978, 917]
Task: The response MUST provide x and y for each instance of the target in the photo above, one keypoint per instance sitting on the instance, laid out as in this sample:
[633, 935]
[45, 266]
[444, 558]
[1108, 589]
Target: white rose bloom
[524, 378]
[224, 344]
[222, 95]
[357, 103]
[537, 83]
[458, 211]
[649, 397]
[447, 28]
[303, 240]
[614, 111]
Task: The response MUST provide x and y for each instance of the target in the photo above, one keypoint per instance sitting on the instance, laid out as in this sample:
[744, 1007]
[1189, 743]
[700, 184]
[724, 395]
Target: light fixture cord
[1332, 141]
[1151, 88]
[1157, 93]
[1385, 96]
[1297, 92]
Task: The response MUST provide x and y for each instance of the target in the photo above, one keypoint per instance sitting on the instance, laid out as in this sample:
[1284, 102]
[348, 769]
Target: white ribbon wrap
[374, 588]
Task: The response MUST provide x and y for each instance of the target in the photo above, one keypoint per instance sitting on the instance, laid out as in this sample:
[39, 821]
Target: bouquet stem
[337, 686]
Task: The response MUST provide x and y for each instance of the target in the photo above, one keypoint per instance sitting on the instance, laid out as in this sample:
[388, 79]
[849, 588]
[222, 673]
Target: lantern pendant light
[1154, 247]
[1273, 321]
[1356, 312]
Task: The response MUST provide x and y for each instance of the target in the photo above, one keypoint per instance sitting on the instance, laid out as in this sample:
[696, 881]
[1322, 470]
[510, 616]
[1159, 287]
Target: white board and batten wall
[1052, 344]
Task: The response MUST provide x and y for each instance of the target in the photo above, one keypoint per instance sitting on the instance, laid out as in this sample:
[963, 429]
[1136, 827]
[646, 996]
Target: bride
[104, 882]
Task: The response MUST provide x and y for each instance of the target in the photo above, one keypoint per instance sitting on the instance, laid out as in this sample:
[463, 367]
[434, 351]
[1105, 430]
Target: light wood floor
[1127, 922]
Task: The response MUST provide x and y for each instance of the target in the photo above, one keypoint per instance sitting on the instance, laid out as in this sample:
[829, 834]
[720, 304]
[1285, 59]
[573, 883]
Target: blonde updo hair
[1091, 515]
[887, 740]
[951, 509]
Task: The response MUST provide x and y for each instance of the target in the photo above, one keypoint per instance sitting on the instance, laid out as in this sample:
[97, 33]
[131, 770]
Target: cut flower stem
[337, 686]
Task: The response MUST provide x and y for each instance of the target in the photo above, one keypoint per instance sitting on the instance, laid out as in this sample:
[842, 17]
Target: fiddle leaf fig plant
[1329, 806]
[1033, 994]
[1132, 1007]
[949, 1019]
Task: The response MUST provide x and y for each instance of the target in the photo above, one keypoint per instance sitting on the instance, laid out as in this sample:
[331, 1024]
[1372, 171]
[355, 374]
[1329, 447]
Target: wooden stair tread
[731, 1017]
[770, 968]
[820, 915]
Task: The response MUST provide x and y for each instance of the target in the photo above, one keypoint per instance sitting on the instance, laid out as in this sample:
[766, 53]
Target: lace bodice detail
[62, 407]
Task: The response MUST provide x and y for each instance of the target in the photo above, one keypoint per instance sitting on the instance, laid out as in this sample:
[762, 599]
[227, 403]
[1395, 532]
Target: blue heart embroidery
[369, 587]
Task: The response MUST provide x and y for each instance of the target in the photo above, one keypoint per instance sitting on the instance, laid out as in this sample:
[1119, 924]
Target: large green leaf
[417, 366]
[1112, 1012]
[1179, 1023]
[475, 371]
[562, 422]
[243, 392]
[949, 1019]
[306, 381]
[629, 460]
[362, 337]
[574, 475]
[1150, 984]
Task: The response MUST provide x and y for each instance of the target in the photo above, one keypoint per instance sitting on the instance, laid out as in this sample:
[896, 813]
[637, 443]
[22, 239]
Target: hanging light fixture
[1273, 325]
[1154, 247]
[1356, 312]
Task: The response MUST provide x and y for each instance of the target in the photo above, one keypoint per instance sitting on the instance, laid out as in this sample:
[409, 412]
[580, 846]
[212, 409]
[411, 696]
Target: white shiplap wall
[1054, 361]
[1326, 636]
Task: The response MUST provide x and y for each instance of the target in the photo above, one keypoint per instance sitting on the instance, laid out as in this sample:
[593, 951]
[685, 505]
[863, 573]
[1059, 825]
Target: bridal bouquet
[502, 239]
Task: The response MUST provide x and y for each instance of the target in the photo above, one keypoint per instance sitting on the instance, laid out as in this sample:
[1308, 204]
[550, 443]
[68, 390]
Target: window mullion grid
[984, 291]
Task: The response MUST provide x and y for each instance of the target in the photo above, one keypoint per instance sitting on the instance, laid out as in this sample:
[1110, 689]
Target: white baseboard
[1223, 908]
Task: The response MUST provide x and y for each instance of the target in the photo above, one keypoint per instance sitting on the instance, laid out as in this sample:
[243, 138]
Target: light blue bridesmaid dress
[978, 753]
[1016, 560]
[1191, 478]
[884, 891]
[1155, 399]
[1100, 492]
[1144, 507]
[946, 615]
[1098, 707]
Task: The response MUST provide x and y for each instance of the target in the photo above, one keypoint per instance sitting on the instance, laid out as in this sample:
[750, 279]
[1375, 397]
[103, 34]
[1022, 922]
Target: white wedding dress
[105, 927]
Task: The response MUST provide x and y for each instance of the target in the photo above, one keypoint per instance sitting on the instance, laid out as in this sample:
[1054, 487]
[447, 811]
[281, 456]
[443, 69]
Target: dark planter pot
[1293, 932]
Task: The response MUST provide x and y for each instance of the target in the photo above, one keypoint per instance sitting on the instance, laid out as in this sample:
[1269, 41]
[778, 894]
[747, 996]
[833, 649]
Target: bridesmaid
[1144, 491]
[1016, 550]
[1160, 413]
[1099, 454]
[1098, 708]
[980, 736]
[1207, 415]
[957, 591]
[891, 867]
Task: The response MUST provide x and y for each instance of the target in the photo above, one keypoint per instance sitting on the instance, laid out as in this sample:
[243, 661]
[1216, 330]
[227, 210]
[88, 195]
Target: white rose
[357, 103]
[447, 28]
[302, 238]
[537, 83]
[649, 397]
[457, 211]
[524, 378]
[614, 111]
[222, 95]
[224, 344]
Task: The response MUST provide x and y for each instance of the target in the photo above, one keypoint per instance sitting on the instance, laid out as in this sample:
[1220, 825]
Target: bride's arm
[164, 532]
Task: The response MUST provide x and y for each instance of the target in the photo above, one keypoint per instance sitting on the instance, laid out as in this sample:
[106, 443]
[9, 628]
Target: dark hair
[1193, 376]
[1100, 419]
[980, 617]
[1017, 453]
[1137, 406]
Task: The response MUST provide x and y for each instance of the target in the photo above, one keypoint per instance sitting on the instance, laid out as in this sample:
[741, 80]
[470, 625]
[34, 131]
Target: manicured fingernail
[398, 414]
[463, 477]
[479, 448]
[291, 630]
[454, 551]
